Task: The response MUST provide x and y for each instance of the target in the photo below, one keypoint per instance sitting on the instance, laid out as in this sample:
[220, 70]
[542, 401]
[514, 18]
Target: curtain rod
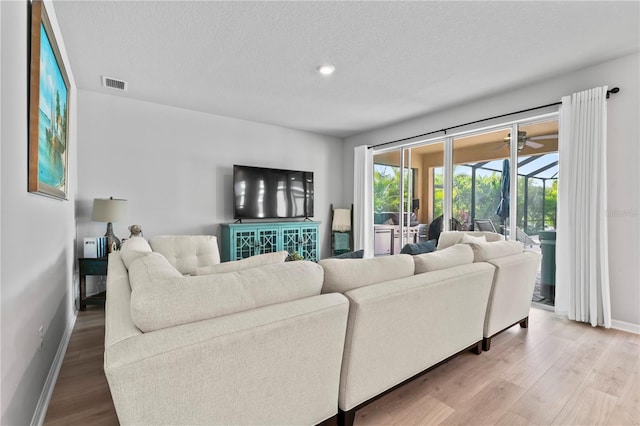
[609, 92]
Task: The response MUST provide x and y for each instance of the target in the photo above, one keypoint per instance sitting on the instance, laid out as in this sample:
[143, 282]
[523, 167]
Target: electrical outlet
[40, 337]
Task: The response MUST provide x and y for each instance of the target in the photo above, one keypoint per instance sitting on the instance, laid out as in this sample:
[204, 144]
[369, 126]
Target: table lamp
[110, 210]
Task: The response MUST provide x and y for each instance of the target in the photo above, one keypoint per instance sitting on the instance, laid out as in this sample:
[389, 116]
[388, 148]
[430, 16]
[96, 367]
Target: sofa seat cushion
[187, 252]
[486, 251]
[450, 238]
[239, 265]
[342, 275]
[460, 254]
[162, 297]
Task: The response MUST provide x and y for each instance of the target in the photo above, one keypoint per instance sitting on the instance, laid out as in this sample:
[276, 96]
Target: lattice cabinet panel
[309, 243]
[241, 240]
[268, 240]
[290, 237]
[246, 244]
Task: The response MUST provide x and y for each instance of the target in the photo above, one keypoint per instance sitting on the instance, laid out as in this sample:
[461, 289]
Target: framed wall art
[48, 110]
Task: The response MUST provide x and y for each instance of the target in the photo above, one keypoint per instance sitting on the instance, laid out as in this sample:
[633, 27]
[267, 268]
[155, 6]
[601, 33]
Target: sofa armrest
[235, 369]
[118, 323]
[399, 328]
[513, 285]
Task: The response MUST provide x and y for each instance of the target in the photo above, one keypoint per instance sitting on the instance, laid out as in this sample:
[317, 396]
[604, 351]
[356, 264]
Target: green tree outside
[487, 197]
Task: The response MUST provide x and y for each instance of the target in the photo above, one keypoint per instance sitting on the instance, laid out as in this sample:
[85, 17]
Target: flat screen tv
[265, 193]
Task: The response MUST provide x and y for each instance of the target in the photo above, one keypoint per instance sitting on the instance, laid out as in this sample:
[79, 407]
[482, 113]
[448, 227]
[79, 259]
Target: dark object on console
[419, 247]
[358, 254]
[435, 228]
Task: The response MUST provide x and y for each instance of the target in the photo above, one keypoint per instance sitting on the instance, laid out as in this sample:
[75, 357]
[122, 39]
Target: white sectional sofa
[259, 345]
[408, 314]
[190, 340]
[402, 323]
[513, 281]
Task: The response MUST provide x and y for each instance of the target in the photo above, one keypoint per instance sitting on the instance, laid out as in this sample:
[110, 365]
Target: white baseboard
[625, 326]
[52, 377]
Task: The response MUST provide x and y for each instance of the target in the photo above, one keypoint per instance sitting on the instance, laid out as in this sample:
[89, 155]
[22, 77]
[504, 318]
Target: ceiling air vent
[113, 83]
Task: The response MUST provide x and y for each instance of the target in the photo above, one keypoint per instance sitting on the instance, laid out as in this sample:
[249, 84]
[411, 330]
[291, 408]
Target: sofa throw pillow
[129, 256]
[466, 239]
[342, 275]
[358, 254]
[419, 248]
[487, 251]
[187, 252]
[239, 265]
[460, 254]
[450, 238]
[136, 244]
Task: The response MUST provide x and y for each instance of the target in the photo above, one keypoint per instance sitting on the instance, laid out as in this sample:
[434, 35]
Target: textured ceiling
[394, 60]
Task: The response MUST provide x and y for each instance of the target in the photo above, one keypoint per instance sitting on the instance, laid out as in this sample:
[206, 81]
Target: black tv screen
[265, 193]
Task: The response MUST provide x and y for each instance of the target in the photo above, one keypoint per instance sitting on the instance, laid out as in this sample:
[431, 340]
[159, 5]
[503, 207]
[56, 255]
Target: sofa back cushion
[449, 238]
[486, 251]
[460, 254]
[162, 297]
[187, 252]
[342, 275]
[239, 265]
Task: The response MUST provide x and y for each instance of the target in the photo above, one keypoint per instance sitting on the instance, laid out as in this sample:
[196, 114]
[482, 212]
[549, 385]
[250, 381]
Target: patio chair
[485, 225]
[525, 239]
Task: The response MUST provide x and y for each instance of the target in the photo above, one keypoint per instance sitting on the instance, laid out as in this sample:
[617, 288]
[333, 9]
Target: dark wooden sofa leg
[477, 348]
[331, 421]
[525, 323]
[346, 418]
[486, 343]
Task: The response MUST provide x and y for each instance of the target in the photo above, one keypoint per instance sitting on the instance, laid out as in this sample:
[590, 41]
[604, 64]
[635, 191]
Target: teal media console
[241, 240]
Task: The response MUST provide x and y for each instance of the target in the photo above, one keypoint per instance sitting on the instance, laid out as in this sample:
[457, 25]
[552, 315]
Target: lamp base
[113, 243]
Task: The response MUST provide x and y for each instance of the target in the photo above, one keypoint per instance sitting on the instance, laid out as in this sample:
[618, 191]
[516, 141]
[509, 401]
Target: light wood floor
[555, 372]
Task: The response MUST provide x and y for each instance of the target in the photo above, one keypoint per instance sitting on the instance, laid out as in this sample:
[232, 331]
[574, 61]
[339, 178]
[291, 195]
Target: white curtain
[363, 199]
[582, 264]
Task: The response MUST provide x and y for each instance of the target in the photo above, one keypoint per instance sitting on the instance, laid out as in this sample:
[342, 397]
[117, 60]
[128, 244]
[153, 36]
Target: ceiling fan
[523, 140]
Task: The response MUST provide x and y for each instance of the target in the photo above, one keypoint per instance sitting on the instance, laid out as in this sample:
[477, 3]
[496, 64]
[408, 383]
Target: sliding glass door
[392, 186]
[501, 178]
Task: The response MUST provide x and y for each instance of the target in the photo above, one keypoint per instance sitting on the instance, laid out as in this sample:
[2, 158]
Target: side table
[91, 266]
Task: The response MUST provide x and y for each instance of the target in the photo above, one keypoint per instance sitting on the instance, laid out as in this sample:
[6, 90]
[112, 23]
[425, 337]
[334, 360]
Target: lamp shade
[109, 210]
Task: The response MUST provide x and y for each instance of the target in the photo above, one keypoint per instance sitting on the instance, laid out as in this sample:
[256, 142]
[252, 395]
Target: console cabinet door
[290, 239]
[304, 239]
[267, 240]
[309, 242]
[245, 242]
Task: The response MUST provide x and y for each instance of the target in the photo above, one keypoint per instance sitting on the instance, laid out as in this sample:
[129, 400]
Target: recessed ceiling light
[326, 69]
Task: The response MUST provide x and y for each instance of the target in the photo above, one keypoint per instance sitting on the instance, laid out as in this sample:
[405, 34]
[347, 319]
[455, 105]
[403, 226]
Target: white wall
[37, 249]
[175, 165]
[623, 160]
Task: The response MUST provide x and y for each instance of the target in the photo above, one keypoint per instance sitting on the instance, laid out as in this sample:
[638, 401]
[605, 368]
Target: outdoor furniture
[524, 238]
[484, 225]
